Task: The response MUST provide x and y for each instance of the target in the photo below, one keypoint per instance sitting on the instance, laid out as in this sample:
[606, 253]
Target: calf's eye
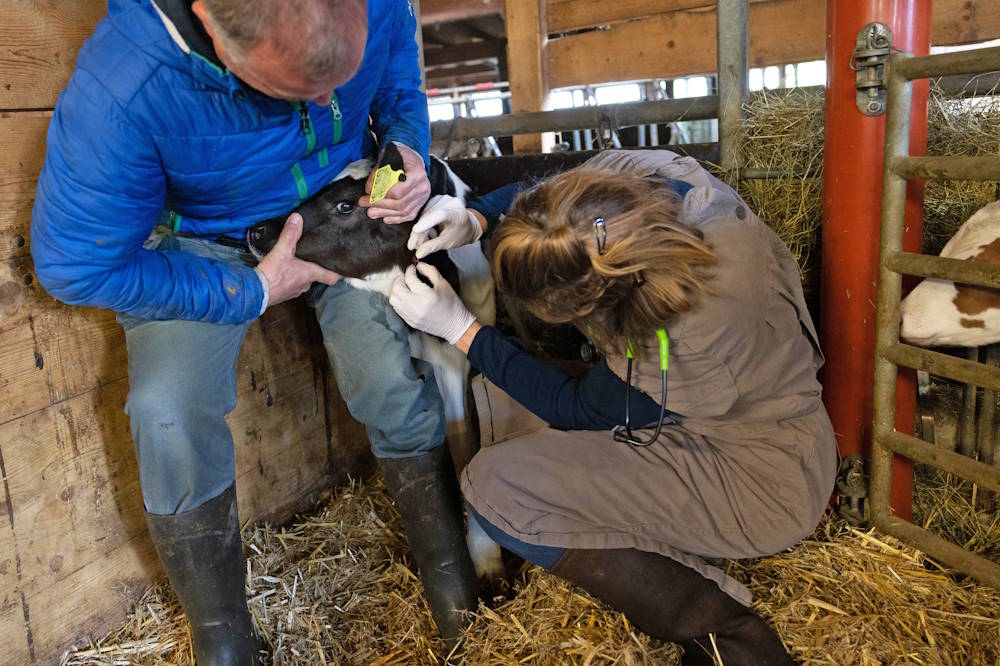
[345, 207]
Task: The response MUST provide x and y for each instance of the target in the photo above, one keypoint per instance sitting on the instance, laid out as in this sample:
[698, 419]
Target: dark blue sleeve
[595, 401]
[497, 203]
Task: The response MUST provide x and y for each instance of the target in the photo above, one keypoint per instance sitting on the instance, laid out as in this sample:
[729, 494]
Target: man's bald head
[299, 49]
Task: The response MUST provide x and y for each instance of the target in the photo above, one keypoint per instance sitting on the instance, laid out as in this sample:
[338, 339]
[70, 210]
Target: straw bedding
[337, 588]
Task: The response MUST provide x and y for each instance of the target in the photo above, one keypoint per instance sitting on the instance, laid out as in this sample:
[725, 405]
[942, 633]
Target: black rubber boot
[672, 602]
[428, 499]
[202, 554]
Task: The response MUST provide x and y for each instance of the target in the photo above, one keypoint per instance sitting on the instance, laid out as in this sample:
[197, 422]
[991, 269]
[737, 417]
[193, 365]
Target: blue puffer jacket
[146, 132]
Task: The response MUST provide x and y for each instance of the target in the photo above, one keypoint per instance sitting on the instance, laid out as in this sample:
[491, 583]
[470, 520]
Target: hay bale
[783, 132]
[958, 126]
[337, 588]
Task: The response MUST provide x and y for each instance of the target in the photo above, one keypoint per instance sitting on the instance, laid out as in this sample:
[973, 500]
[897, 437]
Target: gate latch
[852, 490]
[872, 49]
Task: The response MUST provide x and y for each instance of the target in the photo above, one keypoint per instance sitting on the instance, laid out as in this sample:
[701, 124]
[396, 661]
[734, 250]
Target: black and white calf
[338, 234]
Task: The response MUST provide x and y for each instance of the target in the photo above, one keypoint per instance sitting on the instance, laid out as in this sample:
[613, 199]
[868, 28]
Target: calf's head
[337, 233]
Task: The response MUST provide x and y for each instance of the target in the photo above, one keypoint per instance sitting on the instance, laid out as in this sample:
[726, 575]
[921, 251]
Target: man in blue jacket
[199, 119]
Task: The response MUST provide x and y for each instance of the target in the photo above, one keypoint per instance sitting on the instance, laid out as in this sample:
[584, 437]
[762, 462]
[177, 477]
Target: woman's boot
[672, 602]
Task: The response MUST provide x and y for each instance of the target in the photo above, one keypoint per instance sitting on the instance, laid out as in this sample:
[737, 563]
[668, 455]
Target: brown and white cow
[943, 313]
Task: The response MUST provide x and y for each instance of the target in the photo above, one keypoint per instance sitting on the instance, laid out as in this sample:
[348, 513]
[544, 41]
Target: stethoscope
[624, 433]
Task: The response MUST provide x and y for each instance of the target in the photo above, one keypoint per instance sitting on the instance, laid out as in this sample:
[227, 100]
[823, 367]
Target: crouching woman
[699, 434]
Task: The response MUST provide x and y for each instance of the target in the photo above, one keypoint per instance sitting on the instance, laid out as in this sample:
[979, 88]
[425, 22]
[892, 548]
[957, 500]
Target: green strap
[300, 183]
[174, 220]
[324, 158]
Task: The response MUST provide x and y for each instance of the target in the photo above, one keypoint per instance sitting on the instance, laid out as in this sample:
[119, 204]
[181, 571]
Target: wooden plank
[452, 55]
[565, 15]
[22, 153]
[527, 38]
[38, 45]
[13, 635]
[52, 351]
[673, 45]
[92, 600]
[439, 11]
[76, 502]
[24, 382]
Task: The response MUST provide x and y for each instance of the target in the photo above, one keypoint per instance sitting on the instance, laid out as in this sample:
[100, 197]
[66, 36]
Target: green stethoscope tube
[624, 433]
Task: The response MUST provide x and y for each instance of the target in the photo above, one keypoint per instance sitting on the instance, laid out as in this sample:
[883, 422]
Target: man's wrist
[265, 289]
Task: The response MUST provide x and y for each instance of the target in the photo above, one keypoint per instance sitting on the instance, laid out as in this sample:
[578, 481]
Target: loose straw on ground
[337, 588]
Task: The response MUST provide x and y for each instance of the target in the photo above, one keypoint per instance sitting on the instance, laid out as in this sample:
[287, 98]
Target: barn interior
[905, 566]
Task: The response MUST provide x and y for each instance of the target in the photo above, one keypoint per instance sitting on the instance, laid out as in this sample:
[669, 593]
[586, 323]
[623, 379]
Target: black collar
[190, 28]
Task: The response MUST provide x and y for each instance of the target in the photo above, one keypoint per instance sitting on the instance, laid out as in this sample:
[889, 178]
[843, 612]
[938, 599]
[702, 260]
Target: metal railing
[890, 353]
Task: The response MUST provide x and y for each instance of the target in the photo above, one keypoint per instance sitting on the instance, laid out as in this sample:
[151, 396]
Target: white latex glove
[455, 224]
[436, 310]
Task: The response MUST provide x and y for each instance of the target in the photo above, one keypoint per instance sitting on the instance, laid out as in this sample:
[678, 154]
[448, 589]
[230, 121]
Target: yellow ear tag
[385, 178]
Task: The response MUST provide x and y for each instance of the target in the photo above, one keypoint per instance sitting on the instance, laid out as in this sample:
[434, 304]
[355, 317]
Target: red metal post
[852, 197]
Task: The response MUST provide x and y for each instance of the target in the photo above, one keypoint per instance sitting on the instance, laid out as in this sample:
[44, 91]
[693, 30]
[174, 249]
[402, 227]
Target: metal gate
[899, 167]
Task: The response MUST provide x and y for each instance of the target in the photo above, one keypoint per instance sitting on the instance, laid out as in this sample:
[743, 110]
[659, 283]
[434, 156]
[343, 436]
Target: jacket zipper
[338, 118]
[306, 126]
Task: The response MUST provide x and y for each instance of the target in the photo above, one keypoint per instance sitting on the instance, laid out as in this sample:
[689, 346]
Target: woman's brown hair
[545, 255]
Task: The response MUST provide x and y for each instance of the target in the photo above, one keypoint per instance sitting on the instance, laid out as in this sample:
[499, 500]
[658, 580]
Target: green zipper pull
[338, 118]
[306, 126]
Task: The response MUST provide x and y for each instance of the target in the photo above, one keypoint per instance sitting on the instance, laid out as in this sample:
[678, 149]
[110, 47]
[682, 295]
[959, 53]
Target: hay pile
[337, 589]
[957, 126]
[783, 132]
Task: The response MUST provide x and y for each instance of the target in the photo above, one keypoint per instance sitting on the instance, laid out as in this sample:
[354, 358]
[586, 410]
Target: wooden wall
[74, 552]
[645, 39]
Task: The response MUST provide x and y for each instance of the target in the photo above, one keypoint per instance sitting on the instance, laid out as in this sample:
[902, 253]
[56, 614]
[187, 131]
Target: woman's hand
[435, 309]
[454, 224]
[404, 199]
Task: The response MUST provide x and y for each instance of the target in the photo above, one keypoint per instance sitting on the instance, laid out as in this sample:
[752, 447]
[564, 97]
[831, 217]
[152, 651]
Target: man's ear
[200, 10]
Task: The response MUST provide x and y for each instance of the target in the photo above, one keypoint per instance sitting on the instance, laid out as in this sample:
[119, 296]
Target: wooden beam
[22, 153]
[38, 45]
[527, 38]
[674, 44]
[439, 11]
[566, 15]
[453, 55]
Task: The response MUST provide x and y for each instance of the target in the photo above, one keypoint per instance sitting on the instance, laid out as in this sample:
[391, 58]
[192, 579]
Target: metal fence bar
[694, 108]
[897, 145]
[890, 353]
[732, 37]
[947, 168]
[987, 476]
[936, 363]
[976, 61]
[944, 551]
[943, 268]
[584, 117]
[967, 418]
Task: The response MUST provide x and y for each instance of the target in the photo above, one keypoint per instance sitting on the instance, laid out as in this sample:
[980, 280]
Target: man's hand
[288, 276]
[436, 309]
[405, 198]
[454, 223]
